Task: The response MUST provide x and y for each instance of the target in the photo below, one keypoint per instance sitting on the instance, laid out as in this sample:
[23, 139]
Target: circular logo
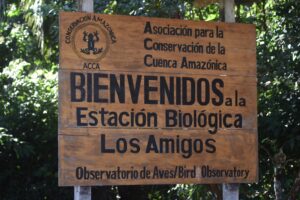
[90, 42]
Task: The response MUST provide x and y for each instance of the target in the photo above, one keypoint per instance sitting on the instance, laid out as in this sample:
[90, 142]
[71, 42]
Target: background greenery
[28, 97]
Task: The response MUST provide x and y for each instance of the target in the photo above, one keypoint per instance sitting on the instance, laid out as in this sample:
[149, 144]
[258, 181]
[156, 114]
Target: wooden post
[86, 5]
[84, 192]
[229, 10]
[230, 191]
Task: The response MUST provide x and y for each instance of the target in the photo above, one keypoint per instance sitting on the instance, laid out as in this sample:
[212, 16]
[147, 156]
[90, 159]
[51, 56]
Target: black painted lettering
[188, 87]
[167, 90]
[93, 118]
[80, 96]
[148, 89]
[216, 85]
[203, 94]
[134, 88]
[121, 145]
[117, 88]
[134, 143]
[210, 145]
[99, 89]
[148, 28]
[103, 148]
[151, 145]
[80, 116]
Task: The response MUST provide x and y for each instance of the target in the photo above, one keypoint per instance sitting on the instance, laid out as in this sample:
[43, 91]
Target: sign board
[156, 101]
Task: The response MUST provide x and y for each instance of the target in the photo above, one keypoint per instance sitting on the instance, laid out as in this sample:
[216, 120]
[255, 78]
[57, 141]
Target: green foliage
[28, 115]
[178, 9]
[28, 96]
[153, 8]
[279, 95]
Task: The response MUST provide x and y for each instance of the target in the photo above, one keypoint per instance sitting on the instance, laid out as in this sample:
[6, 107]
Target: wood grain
[234, 149]
[127, 54]
[214, 146]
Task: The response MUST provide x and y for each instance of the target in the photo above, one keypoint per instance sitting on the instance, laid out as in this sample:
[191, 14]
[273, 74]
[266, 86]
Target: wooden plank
[233, 152]
[126, 51]
[108, 96]
[236, 99]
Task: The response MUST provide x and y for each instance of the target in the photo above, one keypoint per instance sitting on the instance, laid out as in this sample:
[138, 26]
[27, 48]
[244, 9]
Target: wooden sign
[156, 101]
